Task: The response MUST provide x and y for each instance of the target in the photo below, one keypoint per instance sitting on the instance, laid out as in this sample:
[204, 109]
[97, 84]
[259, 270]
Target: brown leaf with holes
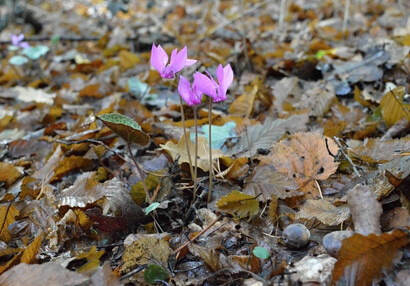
[361, 259]
[304, 157]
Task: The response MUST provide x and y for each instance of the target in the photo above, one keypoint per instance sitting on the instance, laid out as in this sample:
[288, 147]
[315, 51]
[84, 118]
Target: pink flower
[193, 95]
[159, 60]
[17, 40]
[208, 85]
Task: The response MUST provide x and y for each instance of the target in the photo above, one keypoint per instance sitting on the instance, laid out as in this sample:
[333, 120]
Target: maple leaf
[304, 157]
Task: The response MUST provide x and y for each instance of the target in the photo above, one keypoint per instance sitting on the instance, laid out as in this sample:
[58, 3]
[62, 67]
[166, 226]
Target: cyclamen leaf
[239, 204]
[261, 252]
[151, 207]
[18, 60]
[154, 273]
[126, 128]
[36, 52]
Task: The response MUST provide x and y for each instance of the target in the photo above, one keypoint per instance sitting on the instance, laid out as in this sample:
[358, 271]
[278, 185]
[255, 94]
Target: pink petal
[184, 89]
[24, 45]
[178, 60]
[190, 62]
[14, 40]
[159, 58]
[227, 78]
[205, 84]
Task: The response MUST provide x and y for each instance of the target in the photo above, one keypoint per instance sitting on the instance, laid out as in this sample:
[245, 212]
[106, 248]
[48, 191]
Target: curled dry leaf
[239, 205]
[305, 157]
[324, 211]
[366, 210]
[364, 258]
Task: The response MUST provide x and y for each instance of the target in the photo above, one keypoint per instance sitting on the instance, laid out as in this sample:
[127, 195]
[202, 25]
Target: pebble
[296, 235]
[333, 241]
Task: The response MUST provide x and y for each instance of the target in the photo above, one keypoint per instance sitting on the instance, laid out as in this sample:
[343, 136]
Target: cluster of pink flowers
[201, 85]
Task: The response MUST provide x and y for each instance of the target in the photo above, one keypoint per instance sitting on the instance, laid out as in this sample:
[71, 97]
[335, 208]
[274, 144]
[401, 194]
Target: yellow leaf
[179, 150]
[93, 261]
[128, 60]
[7, 216]
[239, 204]
[29, 254]
[8, 173]
[243, 105]
[393, 108]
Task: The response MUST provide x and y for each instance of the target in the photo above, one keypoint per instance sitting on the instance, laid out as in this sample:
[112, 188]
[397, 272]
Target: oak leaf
[361, 259]
[305, 157]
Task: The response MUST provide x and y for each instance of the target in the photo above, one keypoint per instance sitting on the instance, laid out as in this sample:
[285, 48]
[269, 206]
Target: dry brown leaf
[375, 150]
[304, 157]
[68, 164]
[92, 90]
[267, 134]
[239, 205]
[363, 259]
[317, 99]
[29, 254]
[366, 210]
[51, 274]
[266, 180]
[243, 105]
[8, 173]
[324, 211]
[214, 259]
[128, 60]
[179, 150]
[393, 107]
[7, 215]
[93, 261]
[144, 250]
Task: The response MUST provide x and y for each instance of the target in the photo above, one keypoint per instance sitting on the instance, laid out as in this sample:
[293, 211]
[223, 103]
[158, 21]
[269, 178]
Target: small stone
[333, 241]
[296, 235]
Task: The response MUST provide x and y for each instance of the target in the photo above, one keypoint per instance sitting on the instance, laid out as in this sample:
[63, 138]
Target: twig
[347, 157]
[282, 15]
[318, 187]
[196, 236]
[345, 17]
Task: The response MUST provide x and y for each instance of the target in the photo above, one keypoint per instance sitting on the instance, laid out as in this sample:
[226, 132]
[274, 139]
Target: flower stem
[186, 139]
[210, 151]
[140, 173]
[196, 153]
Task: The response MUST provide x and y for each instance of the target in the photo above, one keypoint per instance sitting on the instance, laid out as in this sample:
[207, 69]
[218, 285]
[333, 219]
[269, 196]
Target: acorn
[296, 235]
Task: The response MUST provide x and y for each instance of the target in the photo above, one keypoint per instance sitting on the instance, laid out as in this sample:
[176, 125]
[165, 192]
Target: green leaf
[261, 252]
[18, 60]
[125, 127]
[154, 273]
[36, 52]
[219, 133]
[151, 207]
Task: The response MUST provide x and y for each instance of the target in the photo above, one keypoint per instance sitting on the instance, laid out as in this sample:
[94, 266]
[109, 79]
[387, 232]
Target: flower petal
[178, 60]
[190, 62]
[227, 78]
[159, 58]
[184, 89]
[205, 84]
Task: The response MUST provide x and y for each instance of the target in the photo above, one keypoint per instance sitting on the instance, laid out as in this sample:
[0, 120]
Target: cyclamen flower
[17, 40]
[193, 95]
[159, 60]
[215, 90]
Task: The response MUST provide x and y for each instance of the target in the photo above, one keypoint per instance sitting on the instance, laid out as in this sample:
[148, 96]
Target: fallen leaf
[93, 261]
[128, 60]
[239, 205]
[69, 164]
[266, 180]
[304, 157]
[267, 134]
[7, 215]
[8, 173]
[366, 210]
[363, 259]
[29, 254]
[393, 107]
[179, 150]
[324, 211]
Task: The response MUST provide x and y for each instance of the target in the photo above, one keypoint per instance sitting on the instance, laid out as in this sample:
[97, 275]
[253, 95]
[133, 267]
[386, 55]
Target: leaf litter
[314, 131]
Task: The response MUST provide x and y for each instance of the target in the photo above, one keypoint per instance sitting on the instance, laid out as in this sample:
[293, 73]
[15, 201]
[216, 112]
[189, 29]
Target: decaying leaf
[362, 259]
[69, 164]
[93, 261]
[266, 180]
[324, 211]
[239, 205]
[127, 128]
[144, 250]
[305, 157]
[179, 150]
[267, 134]
[366, 210]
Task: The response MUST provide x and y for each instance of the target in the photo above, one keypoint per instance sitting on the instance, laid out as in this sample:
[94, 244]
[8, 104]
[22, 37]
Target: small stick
[318, 187]
[282, 14]
[210, 152]
[196, 236]
[347, 157]
[345, 18]
[140, 173]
